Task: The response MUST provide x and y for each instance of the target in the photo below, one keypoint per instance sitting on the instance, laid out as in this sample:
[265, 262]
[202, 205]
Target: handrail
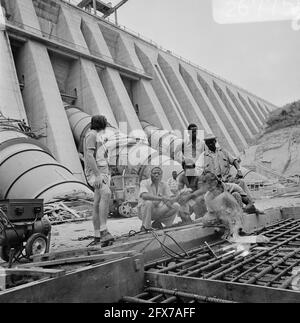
[73, 45]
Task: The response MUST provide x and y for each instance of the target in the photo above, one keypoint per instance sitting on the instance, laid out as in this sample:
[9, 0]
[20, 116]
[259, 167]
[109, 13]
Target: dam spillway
[54, 52]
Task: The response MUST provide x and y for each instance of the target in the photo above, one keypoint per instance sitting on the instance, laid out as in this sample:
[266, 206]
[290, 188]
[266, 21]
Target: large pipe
[123, 150]
[28, 169]
[166, 142]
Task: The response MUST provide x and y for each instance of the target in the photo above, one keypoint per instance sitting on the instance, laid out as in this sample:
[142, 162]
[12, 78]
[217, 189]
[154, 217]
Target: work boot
[95, 243]
[106, 238]
[250, 209]
[157, 225]
[186, 219]
[143, 229]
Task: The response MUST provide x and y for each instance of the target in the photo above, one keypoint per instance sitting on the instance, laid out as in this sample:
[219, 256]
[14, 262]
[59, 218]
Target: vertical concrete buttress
[253, 115]
[262, 109]
[259, 114]
[205, 82]
[190, 77]
[237, 118]
[143, 93]
[11, 102]
[166, 97]
[83, 75]
[41, 95]
[170, 68]
[111, 81]
[251, 125]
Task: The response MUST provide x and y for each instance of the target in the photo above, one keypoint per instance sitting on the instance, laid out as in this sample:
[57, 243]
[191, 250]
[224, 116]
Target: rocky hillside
[277, 151]
[287, 116]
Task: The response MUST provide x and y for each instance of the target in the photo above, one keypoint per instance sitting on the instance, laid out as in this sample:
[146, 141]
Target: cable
[167, 249]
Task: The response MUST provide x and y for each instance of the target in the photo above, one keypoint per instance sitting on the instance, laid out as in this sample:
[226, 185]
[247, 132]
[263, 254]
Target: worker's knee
[106, 193]
[238, 198]
[176, 207]
[148, 204]
[200, 199]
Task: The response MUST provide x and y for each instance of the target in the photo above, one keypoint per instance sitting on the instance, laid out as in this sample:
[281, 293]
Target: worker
[97, 175]
[218, 161]
[222, 207]
[193, 148]
[156, 204]
[172, 183]
[191, 193]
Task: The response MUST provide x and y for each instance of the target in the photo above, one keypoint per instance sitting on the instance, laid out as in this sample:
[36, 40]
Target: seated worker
[156, 203]
[172, 183]
[218, 161]
[191, 192]
[221, 206]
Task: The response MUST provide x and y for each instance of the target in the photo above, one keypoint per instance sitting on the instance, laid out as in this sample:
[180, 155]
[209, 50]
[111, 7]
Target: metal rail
[166, 296]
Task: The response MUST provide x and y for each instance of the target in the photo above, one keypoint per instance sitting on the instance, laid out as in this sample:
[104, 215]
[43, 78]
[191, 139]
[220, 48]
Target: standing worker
[194, 147]
[97, 175]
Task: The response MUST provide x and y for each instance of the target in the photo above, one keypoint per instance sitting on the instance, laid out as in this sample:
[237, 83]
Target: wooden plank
[35, 272]
[102, 283]
[291, 212]
[224, 290]
[75, 214]
[76, 260]
[68, 253]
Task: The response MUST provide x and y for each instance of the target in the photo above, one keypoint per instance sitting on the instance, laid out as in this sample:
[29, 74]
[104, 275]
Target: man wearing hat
[156, 204]
[218, 161]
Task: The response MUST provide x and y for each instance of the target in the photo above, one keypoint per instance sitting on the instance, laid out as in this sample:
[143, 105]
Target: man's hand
[184, 198]
[166, 200]
[98, 182]
[239, 174]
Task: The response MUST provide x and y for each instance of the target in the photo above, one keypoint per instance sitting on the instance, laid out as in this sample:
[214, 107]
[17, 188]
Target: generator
[125, 190]
[23, 227]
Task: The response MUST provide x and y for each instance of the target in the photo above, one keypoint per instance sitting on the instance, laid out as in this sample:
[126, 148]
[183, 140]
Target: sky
[262, 57]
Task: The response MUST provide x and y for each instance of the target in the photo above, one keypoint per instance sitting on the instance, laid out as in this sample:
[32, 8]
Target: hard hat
[209, 136]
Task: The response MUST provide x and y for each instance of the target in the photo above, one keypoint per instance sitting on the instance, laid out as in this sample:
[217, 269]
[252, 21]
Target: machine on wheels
[125, 190]
[23, 227]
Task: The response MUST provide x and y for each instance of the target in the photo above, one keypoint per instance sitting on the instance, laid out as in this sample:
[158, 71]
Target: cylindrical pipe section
[28, 170]
[123, 150]
[164, 141]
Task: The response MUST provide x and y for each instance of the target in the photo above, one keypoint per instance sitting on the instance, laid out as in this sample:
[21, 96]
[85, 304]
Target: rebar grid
[270, 264]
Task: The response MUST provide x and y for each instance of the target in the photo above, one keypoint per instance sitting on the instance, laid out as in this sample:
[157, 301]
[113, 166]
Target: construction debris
[75, 207]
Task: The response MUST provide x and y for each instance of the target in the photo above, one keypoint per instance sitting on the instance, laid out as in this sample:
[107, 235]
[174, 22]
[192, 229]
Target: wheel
[5, 250]
[36, 245]
[125, 210]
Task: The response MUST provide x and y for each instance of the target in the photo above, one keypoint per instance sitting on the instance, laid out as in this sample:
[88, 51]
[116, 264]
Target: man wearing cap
[155, 202]
[194, 147]
[218, 161]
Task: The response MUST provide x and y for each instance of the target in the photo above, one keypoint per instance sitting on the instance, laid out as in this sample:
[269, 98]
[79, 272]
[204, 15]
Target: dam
[55, 53]
[62, 61]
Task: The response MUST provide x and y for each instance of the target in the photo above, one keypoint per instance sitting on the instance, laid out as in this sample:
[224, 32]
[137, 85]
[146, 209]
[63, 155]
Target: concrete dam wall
[53, 52]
